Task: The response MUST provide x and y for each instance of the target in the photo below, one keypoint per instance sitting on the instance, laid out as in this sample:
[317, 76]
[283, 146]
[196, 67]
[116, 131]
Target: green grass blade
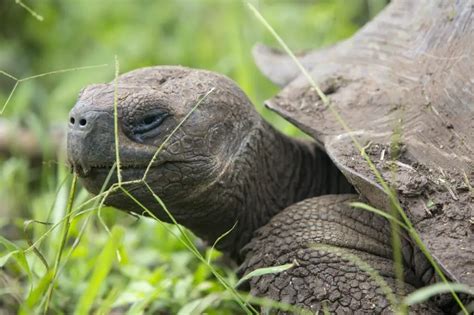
[187, 242]
[33, 13]
[198, 306]
[287, 49]
[325, 308]
[265, 271]
[84, 226]
[37, 294]
[8, 75]
[12, 251]
[18, 81]
[423, 294]
[105, 195]
[6, 257]
[116, 137]
[9, 97]
[218, 240]
[269, 304]
[64, 236]
[61, 71]
[36, 251]
[364, 206]
[106, 305]
[18, 255]
[100, 272]
[138, 308]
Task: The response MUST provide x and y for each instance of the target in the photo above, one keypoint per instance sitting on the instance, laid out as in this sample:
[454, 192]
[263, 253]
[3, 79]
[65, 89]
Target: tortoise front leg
[324, 278]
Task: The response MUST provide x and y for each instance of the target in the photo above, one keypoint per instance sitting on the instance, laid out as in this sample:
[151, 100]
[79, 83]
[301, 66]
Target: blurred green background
[156, 273]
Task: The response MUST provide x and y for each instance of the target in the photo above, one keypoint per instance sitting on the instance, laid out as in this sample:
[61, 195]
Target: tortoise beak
[89, 139]
[80, 168]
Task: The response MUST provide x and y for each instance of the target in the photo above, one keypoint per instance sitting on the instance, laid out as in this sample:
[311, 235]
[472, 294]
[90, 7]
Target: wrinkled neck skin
[269, 172]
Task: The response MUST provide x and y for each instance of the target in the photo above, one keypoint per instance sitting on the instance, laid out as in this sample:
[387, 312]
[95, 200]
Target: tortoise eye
[150, 119]
[149, 123]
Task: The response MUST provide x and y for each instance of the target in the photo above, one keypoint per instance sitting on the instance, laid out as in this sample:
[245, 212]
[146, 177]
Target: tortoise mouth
[84, 171]
[94, 177]
[92, 170]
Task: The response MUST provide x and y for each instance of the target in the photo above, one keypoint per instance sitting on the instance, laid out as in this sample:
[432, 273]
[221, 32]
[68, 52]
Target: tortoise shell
[403, 85]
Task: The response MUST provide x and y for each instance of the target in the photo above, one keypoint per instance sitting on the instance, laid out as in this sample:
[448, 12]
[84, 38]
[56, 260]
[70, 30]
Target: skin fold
[226, 166]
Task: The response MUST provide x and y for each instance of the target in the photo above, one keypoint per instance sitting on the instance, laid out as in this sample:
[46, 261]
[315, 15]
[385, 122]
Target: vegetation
[140, 264]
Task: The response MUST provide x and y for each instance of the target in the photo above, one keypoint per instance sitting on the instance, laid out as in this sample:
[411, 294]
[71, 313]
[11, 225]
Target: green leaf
[425, 293]
[218, 240]
[198, 306]
[14, 251]
[142, 302]
[37, 294]
[106, 305]
[264, 271]
[11, 248]
[101, 270]
[8, 244]
[364, 206]
[4, 258]
[430, 204]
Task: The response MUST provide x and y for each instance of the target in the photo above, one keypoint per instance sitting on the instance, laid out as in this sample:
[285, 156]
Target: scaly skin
[270, 173]
[322, 278]
[226, 165]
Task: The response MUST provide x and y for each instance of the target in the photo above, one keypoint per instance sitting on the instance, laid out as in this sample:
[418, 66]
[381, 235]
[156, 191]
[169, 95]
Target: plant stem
[67, 224]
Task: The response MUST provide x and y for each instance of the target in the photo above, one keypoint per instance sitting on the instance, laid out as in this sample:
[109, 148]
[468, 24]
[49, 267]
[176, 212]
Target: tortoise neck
[271, 172]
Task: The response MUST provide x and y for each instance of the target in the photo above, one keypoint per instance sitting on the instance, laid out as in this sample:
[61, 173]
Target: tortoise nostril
[82, 122]
[72, 120]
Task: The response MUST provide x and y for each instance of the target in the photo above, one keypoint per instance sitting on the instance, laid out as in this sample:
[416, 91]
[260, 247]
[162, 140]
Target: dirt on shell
[439, 202]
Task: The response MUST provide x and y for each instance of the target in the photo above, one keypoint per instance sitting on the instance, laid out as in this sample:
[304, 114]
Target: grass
[160, 267]
[30, 10]
[18, 81]
[64, 237]
[100, 271]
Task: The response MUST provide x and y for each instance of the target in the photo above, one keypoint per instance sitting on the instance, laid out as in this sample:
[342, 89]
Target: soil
[439, 202]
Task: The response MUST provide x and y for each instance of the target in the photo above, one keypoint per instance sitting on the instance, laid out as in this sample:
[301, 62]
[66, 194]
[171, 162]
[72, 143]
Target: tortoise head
[151, 104]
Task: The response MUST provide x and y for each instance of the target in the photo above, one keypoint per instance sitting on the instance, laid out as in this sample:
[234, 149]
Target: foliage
[156, 272]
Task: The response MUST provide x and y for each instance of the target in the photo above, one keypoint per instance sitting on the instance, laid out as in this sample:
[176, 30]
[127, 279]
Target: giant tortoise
[403, 84]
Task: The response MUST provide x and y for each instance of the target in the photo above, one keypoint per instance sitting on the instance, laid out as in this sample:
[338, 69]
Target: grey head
[151, 102]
